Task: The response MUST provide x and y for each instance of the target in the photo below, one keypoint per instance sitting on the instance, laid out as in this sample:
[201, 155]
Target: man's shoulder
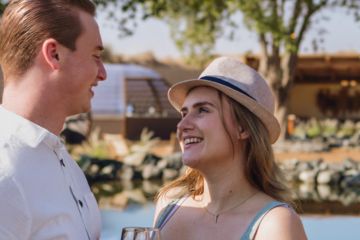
[11, 154]
[8, 138]
[5, 163]
[9, 187]
[5, 137]
[6, 181]
[8, 147]
[14, 211]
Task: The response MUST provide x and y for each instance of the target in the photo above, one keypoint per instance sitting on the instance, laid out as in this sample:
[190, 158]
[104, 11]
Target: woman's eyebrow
[197, 104]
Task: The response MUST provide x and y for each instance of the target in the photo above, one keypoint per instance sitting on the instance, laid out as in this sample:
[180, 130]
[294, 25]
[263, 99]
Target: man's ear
[50, 52]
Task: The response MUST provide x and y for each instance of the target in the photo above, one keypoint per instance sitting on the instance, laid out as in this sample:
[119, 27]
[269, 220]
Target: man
[50, 57]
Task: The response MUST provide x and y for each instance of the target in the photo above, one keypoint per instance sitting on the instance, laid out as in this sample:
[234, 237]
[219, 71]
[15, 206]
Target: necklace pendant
[216, 218]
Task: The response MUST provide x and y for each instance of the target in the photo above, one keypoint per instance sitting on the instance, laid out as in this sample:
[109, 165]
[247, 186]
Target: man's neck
[35, 109]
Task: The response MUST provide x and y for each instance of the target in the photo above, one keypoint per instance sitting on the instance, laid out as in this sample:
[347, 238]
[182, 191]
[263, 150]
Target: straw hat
[237, 81]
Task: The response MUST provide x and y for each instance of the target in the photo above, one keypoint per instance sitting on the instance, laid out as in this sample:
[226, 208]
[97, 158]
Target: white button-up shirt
[43, 192]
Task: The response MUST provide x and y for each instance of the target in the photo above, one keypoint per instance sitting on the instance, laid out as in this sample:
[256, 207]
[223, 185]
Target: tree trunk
[280, 73]
[281, 114]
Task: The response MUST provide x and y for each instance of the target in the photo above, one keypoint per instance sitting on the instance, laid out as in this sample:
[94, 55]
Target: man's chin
[84, 109]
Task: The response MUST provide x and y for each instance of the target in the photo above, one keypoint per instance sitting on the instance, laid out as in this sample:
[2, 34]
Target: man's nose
[101, 72]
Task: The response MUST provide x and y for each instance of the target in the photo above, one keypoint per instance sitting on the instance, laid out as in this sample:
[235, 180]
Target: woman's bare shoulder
[169, 196]
[165, 199]
[281, 223]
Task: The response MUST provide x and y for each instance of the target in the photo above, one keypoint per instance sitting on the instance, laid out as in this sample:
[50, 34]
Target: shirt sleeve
[15, 221]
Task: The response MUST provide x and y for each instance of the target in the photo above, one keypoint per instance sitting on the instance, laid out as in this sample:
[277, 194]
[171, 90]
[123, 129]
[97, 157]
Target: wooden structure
[132, 98]
[325, 86]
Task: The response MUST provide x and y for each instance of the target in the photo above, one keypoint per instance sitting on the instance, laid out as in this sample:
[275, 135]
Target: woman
[232, 188]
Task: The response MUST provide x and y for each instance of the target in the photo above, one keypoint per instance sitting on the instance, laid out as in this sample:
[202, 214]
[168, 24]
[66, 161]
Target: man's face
[83, 68]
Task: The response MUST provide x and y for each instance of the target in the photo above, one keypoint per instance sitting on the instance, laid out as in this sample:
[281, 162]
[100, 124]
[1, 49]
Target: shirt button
[62, 162]
[80, 203]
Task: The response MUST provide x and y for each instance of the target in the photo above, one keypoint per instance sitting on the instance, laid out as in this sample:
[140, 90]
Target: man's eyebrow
[198, 104]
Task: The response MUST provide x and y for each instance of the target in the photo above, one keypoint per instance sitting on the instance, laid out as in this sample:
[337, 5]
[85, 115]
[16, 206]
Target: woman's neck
[225, 187]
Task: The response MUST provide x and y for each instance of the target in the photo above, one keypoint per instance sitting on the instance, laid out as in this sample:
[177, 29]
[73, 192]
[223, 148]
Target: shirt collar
[25, 130]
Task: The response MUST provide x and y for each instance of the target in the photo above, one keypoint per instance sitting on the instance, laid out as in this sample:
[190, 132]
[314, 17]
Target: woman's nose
[185, 123]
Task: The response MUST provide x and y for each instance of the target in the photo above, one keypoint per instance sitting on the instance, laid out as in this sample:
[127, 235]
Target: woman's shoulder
[281, 222]
[173, 196]
[169, 197]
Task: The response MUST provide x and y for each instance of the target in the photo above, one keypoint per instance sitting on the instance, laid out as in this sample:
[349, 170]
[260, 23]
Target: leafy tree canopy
[2, 6]
[196, 24]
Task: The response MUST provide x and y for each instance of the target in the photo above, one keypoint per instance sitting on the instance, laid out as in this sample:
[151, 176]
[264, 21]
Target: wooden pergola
[322, 68]
[327, 85]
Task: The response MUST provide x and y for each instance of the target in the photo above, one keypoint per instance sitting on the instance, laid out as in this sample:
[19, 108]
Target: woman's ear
[242, 134]
[49, 50]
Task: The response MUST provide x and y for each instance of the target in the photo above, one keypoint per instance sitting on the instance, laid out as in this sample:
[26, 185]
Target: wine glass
[133, 233]
[140, 233]
[152, 233]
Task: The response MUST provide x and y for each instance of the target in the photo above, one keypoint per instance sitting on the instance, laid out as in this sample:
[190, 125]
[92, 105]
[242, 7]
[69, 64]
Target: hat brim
[178, 92]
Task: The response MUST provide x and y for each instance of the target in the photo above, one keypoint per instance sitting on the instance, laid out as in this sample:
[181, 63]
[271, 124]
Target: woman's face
[203, 139]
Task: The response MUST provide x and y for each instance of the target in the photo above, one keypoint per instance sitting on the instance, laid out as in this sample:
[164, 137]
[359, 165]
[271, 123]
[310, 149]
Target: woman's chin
[190, 162]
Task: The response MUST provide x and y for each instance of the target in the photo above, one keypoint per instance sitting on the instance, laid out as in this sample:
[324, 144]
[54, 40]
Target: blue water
[332, 227]
[134, 215]
[316, 227]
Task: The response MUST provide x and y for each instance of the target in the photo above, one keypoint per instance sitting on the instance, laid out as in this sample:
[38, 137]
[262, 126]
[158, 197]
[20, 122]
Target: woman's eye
[202, 109]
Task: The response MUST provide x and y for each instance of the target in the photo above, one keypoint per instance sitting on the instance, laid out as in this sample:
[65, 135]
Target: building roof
[322, 68]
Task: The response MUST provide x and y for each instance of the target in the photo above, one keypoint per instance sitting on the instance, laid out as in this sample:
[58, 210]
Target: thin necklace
[217, 215]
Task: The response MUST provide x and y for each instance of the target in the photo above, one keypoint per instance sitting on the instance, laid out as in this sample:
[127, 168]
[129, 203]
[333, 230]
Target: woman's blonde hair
[260, 168]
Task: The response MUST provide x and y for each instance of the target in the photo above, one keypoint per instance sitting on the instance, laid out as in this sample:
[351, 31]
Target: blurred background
[307, 50]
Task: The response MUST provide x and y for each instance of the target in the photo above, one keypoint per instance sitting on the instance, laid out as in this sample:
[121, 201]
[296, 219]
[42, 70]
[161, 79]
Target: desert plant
[313, 128]
[139, 149]
[95, 147]
[329, 127]
[346, 130]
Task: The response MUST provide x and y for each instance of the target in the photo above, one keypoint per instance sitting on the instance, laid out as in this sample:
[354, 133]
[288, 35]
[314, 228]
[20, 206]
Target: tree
[280, 26]
[2, 6]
